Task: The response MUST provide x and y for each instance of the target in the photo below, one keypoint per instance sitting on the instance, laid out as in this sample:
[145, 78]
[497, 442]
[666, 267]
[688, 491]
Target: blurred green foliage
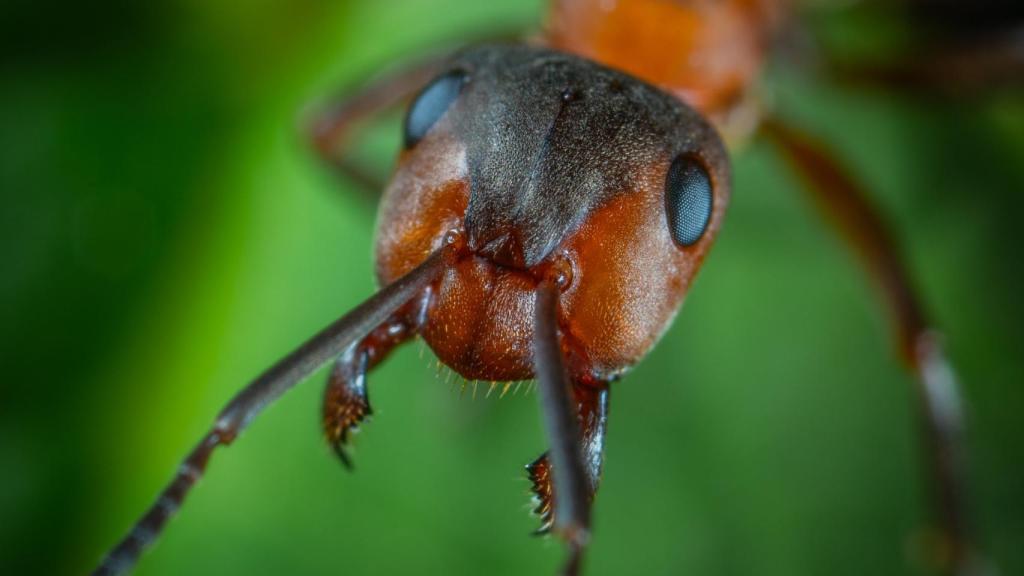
[165, 234]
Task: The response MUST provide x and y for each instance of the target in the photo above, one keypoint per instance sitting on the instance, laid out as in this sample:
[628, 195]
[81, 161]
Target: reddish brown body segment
[706, 52]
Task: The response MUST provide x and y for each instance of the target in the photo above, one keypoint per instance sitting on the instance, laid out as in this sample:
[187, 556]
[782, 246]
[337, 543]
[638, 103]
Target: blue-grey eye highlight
[688, 200]
[431, 104]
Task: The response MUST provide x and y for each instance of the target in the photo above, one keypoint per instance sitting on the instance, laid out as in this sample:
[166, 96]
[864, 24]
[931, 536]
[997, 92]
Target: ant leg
[950, 66]
[332, 127]
[843, 200]
[248, 403]
[346, 403]
[592, 417]
[571, 487]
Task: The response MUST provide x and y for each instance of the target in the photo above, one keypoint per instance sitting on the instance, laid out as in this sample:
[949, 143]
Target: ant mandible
[552, 204]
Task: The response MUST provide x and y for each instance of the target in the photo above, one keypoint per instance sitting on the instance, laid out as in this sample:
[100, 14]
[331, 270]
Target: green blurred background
[165, 234]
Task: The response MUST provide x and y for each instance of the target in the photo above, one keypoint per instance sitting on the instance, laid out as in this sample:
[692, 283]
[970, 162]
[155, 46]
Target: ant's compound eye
[431, 104]
[688, 200]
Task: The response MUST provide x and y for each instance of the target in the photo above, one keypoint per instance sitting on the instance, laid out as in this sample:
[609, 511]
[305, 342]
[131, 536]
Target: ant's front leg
[346, 402]
[592, 411]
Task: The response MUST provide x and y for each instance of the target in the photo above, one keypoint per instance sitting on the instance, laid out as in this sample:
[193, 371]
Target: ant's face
[545, 163]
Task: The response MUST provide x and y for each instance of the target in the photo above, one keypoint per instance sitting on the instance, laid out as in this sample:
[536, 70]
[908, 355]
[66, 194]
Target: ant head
[548, 163]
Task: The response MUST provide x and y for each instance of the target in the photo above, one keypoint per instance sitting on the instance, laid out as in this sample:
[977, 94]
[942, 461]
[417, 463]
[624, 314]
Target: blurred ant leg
[592, 417]
[956, 68]
[842, 199]
[332, 128]
[248, 403]
[346, 403]
[568, 471]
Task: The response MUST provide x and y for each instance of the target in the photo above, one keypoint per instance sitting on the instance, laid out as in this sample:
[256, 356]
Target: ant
[552, 205]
